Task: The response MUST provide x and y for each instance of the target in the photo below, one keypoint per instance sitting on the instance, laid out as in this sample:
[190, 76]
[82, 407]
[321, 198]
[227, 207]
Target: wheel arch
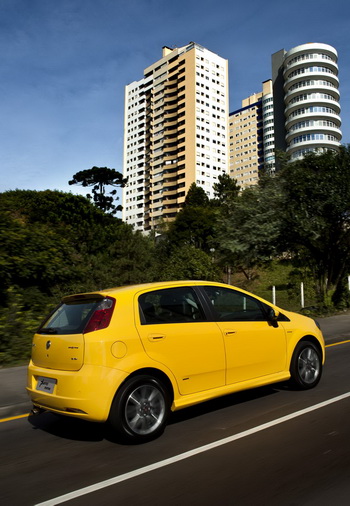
[312, 339]
[154, 372]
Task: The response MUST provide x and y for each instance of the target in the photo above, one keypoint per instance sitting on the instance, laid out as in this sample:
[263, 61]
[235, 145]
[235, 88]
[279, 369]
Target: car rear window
[71, 317]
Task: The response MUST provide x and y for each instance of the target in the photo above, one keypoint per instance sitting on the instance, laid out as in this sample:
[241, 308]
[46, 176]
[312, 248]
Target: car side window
[230, 305]
[170, 305]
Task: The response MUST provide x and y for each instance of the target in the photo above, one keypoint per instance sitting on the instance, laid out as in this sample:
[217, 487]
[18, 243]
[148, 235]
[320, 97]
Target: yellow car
[130, 355]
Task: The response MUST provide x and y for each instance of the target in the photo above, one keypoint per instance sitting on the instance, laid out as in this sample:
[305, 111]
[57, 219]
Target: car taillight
[101, 316]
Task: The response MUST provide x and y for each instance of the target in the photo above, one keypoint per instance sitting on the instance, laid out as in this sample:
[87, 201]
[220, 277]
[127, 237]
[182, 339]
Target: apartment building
[178, 130]
[175, 133]
[306, 99]
[296, 112]
[251, 137]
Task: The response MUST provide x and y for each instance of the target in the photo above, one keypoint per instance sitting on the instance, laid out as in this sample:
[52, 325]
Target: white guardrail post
[302, 302]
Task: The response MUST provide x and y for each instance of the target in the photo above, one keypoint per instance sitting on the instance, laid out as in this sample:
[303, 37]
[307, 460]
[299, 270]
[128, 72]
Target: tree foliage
[99, 178]
[196, 197]
[54, 243]
[226, 191]
[316, 216]
[188, 262]
[249, 229]
[18, 321]
[303, 213]
[193, 225]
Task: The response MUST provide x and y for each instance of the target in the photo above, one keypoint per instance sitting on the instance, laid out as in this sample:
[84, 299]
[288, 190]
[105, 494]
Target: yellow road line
[13, 418]
[337, 344]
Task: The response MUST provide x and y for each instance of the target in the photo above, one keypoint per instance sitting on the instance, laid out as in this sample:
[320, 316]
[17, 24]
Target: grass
[286, 280]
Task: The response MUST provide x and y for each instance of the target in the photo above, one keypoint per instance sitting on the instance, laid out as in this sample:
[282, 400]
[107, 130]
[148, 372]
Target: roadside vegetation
[292, 228]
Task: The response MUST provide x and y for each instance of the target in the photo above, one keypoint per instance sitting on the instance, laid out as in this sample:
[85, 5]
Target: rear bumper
[87, 393]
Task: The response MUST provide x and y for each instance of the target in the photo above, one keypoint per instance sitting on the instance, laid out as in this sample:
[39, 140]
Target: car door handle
[229, 332]
[156, 337]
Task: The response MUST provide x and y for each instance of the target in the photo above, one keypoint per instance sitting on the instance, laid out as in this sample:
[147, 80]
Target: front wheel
[306, 365]
[140, 409]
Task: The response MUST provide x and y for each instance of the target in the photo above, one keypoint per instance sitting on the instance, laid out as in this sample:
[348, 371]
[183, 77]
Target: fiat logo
[48, 344]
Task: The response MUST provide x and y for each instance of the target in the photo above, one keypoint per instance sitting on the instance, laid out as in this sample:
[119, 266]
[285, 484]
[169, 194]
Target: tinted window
[172, 305]
[69, 318]
[230, 305]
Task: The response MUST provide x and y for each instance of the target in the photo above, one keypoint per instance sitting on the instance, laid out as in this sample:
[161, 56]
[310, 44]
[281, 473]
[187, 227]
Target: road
[270, 446]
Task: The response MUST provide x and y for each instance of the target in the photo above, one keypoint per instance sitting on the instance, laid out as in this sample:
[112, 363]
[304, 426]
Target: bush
[18, 323]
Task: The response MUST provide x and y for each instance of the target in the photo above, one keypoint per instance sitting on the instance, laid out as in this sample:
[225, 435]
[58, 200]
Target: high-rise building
[251, 137]
[176, 125]
[297, 112]
[175, 133]
[306, 99]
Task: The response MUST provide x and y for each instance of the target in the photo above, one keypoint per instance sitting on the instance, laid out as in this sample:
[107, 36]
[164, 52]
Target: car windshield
[70, 317]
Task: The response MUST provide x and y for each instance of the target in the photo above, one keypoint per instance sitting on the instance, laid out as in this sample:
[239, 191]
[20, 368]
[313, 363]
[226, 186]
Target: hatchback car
[133, 354]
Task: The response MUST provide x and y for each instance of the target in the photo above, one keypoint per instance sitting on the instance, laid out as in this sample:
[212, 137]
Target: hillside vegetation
[289, 229]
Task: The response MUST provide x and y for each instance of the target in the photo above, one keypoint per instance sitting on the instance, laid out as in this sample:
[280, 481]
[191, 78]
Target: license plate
[46, 384]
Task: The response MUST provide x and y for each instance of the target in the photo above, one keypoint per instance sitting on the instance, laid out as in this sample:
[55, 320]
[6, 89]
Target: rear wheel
[306, 365]
[140, 409]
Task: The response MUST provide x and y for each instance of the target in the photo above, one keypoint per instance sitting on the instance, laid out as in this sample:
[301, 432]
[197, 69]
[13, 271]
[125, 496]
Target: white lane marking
[187, 455]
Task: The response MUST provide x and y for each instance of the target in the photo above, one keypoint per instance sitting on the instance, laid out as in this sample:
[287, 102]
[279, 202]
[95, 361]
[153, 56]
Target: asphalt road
[270, 446]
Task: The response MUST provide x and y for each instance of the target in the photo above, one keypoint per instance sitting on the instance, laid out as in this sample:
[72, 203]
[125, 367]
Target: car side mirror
[272, 316]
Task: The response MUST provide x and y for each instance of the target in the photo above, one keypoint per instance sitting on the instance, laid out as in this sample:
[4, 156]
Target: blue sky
[64, 65]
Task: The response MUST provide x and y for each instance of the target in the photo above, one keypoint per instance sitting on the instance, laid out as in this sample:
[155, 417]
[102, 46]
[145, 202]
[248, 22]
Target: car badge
[48, 344]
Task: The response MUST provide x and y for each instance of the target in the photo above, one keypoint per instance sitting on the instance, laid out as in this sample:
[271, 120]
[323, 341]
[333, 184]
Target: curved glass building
[306, 79]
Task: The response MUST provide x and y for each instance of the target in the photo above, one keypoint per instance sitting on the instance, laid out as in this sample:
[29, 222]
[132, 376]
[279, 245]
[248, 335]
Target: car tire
[140, 409]
[306, 366]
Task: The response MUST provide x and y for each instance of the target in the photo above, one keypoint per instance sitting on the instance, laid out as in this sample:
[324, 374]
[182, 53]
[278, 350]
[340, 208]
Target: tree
[52, 244]
[316, 216]
[248, 232]
[196, 197]
[98, 178]
[187, 262]
[226, 191]
[61, 243]
[193, 225]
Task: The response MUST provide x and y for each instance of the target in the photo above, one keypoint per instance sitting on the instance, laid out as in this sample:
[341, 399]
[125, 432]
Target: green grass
[286, 280]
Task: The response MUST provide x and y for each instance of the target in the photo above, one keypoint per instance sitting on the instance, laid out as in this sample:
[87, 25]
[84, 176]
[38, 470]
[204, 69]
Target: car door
[175, 332]
[254, 347]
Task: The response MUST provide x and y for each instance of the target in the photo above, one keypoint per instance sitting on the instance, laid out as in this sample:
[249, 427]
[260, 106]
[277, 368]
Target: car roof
[149, 286]
[155, 285]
